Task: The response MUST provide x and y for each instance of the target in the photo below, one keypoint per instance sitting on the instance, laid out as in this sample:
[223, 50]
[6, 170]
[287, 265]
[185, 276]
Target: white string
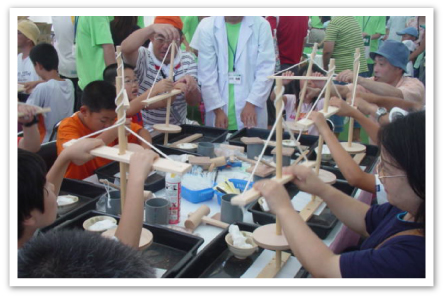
[319, 97]
[147, 143]
[279, 72]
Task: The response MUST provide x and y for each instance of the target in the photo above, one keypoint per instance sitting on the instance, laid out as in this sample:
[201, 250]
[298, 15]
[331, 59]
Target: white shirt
[59, 96]
[25, 70]
[381, 194]
[64, 42]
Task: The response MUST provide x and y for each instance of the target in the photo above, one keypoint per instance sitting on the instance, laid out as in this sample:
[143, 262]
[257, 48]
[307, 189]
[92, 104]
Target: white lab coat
[255, 61]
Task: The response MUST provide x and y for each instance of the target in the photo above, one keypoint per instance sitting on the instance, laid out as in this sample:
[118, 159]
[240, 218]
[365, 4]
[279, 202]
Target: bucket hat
[395, 52]
[409, 30]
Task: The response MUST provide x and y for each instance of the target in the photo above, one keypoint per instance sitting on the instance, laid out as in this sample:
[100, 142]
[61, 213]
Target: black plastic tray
[216, 260]
[321, 224]
[306, 140]
[88, 194]
[153, 183]
[209, 134]
[369, 161]
[170, 250]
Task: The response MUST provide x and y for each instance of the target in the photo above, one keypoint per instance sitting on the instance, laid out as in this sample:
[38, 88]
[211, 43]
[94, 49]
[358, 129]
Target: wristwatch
[380, 112]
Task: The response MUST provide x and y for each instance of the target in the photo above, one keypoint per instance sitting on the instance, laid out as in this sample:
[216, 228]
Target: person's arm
[78, 153]
[109, 54]
[145, 134]
[131, 222]
[389, 102]
[130, 46]
[351, 171]
[329, 47]
[31, 135]
[380, 88]
[375, 36]
[30, 85]
[163, 86]
[418, 50]
[188, 85]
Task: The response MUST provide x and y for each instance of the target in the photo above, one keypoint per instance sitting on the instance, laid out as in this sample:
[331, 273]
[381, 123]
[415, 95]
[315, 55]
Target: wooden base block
[296, 127]
[266, 237]
[307, 123]
[286, 151]
[262, 170]
[310, 208]
[327, 177]
[271, 270]
[240, 149]
[251, 140]
[355, 147]
[146, 237]
[167, 128]
[188, 139]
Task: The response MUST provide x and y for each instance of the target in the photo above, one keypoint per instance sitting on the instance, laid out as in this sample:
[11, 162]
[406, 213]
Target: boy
[54, 92]
[132, 89]
[96, 113]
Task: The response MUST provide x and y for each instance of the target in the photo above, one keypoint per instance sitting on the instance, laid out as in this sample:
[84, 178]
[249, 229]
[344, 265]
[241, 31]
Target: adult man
[390, 64]
[27, 34]
[236, 54]
[148, 62]
[94, 49]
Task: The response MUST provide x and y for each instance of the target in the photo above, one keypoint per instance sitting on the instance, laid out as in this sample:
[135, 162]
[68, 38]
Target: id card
[234, 78]
[366, 41]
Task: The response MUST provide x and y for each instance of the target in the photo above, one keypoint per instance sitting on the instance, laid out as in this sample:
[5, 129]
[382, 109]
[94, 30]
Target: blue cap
[395, 52]
[409, 30]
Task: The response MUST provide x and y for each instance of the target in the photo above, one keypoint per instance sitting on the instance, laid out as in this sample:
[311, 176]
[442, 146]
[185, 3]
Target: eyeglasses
[128, 81]
[162, 40]
[380, 172]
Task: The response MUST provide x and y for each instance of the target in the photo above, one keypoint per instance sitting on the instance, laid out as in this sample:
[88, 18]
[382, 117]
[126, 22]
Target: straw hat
[29, 29]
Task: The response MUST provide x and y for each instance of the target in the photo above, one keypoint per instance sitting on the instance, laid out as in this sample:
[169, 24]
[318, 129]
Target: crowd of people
[221, 68]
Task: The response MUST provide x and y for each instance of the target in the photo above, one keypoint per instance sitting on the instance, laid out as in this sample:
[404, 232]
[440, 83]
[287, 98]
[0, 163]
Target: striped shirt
[146, 69]
[347, 36]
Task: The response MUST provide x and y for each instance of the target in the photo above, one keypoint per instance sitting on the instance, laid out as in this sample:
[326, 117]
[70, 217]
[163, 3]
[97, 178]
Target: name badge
[234, 78]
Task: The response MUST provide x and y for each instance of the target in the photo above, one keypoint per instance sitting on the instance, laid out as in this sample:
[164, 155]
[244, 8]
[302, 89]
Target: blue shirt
[399, 257]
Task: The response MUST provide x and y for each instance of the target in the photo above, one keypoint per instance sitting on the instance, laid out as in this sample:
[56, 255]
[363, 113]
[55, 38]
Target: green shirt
[346, 33]
[92, 33]
[233, 36]
[316, 22]
[190, 24]
[372, 25]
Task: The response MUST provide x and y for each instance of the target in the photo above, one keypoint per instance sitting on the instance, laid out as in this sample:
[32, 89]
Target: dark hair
[99, 95]
[301, 71]
[121, 27]
[46, 55]
[404, 141]
[30, 183]
[75, 253]
[110, 72]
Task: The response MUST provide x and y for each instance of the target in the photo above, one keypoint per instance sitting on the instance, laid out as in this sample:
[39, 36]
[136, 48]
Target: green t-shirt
[346, 33]
[316, 22]
[372, 25]
[190, 24]
[92, 32]
[233, 36]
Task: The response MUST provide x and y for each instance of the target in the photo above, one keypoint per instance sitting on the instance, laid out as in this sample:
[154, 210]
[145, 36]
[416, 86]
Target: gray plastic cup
[230, 213]
[112, 202]
[157, 211]
[254, 150]
[206, 149]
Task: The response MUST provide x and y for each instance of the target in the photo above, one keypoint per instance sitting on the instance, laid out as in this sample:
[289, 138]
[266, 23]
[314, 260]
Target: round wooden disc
[327, 177]
[294, 126]
[146, 238]
[167, 128]
[355, 147]
[266, 238]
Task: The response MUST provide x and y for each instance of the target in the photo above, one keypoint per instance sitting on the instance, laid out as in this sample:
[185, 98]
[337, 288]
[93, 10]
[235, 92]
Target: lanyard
[234, 55]
[76, 21]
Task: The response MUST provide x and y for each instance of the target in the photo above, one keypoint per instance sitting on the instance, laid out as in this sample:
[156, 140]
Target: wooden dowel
[170, 77]
[266, 162]
[299, 77]
[161, 97]
[355, 84]
[40, 111]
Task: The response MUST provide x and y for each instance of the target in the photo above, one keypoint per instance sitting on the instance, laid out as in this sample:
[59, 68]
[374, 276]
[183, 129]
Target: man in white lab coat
[233, 68]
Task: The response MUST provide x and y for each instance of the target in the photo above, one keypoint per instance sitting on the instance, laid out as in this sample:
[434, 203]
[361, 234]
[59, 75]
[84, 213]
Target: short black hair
[404, 141]
[31, 182]
[99, 95]
[75, 253]
[46, 55]
[110, 72]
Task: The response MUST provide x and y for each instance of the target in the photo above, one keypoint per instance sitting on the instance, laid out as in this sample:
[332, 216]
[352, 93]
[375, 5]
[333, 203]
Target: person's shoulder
[186, 56]
[72, 121]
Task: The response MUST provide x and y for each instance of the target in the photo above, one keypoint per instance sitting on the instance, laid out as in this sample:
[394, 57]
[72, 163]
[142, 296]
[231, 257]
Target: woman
[395, 231]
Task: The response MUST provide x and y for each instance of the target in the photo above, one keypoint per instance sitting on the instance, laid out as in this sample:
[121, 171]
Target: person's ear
[84, 111]
[30, 221]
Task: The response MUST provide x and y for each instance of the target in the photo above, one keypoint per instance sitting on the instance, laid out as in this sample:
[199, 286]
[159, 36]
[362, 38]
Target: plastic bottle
[172, 193]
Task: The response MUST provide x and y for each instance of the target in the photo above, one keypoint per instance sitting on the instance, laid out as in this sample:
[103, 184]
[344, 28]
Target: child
[55, 92]
[96, 113]
[291, 101]
[50, 254]
[132, 89]
[37, 194]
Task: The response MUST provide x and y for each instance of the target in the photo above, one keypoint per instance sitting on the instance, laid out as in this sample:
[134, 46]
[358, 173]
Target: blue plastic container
[197, 196]
[238, 184]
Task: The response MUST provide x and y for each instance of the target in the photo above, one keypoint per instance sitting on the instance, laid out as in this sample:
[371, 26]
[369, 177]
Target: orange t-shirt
[73, 128]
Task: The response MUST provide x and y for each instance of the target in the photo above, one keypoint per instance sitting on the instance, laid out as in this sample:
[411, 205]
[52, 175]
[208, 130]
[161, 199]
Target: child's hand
[345, 110]
[345, 76]
[287, 81]
[141, 163]
[319, 120]
[163, 86]
[79, 152]
[275, 194]
[28, 110]
[305, 179]
[317, 83]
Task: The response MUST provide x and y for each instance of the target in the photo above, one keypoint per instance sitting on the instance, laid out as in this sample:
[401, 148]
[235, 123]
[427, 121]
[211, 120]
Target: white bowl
[66, 200]
[241, 253]
[91, 221]
[191, 147]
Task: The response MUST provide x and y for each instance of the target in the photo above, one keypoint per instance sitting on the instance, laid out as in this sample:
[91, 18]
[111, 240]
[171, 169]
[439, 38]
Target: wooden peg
[200, 215]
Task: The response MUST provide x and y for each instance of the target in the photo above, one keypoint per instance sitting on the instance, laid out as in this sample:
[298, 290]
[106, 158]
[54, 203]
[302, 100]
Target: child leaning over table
[291, 101]
[96, 113]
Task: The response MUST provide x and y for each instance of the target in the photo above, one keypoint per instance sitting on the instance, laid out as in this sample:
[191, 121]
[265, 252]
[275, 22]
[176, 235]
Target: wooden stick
[188, 139]
[355, 84]
[304, 88]
[160, 97]
[265, 162]
[299, 77]
[304, 153]
[170, 77]
[40, 111]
